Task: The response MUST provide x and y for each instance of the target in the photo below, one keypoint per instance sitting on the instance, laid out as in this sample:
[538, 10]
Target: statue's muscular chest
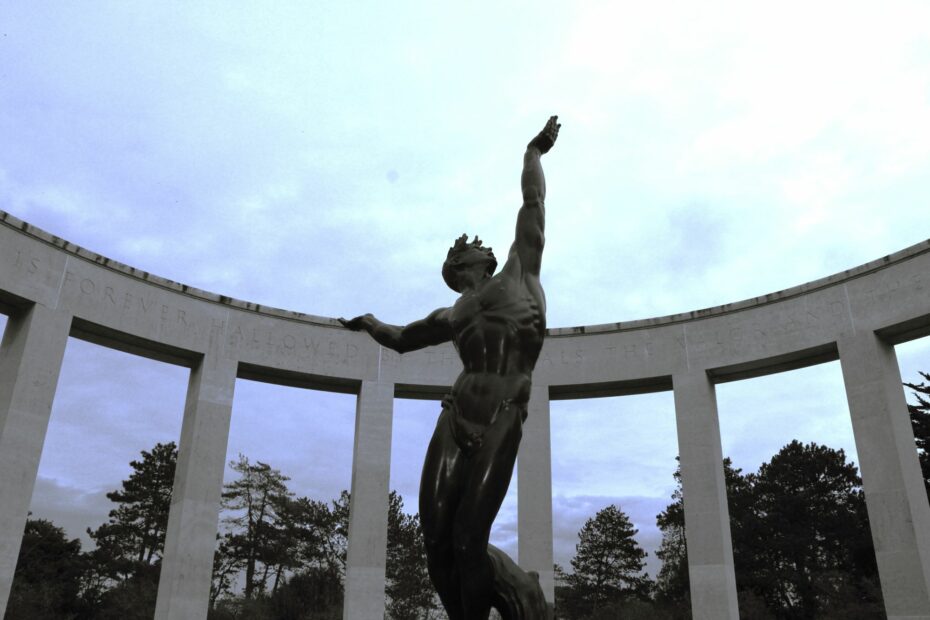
[497, 323]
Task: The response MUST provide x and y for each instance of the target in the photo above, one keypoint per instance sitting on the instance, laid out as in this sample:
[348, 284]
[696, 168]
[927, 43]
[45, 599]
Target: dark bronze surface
[497, 325]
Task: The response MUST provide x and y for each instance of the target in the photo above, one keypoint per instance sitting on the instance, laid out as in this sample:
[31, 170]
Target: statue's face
[467, 267]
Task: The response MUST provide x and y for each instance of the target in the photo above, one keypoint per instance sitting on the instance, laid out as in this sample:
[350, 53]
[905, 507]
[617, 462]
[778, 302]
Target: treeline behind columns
[801, 543]
[801, 546]
[279, 556]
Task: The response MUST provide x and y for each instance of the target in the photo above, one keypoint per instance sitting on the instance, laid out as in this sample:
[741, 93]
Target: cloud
[72, 508]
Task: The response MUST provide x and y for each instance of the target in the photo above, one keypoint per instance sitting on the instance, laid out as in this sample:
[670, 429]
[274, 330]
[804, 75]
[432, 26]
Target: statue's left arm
[526, 252]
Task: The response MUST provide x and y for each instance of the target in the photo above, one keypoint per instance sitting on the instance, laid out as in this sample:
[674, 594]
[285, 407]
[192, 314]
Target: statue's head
[467, 260]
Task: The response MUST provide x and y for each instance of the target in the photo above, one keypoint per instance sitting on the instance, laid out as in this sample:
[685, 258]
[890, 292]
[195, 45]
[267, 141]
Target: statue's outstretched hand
[356, 324]
[545, 139]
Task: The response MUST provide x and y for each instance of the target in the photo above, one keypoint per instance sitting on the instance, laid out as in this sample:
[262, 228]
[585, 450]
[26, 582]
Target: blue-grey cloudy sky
[321, 157]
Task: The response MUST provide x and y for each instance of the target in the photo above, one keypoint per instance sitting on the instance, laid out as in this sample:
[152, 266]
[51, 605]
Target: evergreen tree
[814, 547]
[409, 590]
[289, 553]
[256, 503]
[608, 562]
[920, 421]
[801, 541]
[122, 581]
[135, 532]
[672, 582]
[48, 575]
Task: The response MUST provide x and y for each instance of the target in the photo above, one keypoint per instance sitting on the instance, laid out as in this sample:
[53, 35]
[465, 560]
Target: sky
[322, 157]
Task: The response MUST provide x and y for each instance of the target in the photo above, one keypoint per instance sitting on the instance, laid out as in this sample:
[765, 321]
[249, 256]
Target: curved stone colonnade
[52, 289]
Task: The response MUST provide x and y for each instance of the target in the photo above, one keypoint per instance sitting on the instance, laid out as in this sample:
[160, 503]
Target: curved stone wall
[137, 311]
[52, 288]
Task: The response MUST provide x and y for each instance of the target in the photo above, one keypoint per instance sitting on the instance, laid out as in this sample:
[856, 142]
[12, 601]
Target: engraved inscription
[90, 291]
[29, 264]
[306, 346]
[563, 358]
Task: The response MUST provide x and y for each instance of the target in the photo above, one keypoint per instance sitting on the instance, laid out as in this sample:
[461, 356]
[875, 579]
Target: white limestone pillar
[190, 542]
[368, 510]
[707, 518]
[30, 361]
[534, 492]
[894, 491]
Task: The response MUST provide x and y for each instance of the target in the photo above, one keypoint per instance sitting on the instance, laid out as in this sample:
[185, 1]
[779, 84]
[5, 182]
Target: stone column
[30, 360]
[190, 542]
[707, 518]
[894, 491]
[534, 492]
[368, 510]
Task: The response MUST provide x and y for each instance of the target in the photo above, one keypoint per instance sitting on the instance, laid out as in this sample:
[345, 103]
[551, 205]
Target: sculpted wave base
[52, 289]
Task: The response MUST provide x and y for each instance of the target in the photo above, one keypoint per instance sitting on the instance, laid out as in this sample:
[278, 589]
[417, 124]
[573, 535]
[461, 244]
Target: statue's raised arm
[526, 253]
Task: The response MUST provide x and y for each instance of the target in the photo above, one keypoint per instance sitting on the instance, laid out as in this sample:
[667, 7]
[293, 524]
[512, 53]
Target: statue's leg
[489, 471]
[440, 489]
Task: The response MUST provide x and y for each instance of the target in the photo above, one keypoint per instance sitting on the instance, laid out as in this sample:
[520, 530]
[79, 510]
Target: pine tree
[672, 582]
[608, 561]
[48, 575]
[409, 591]
[801, 541]
[813, 547]
[920, 421]
[122, 581]
[135, 533]
[256, 501]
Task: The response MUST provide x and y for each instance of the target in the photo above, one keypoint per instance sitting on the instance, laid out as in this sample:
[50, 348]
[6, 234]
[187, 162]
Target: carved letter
[311, 345]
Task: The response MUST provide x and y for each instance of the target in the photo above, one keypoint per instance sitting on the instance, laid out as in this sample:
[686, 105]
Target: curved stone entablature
[130, 309]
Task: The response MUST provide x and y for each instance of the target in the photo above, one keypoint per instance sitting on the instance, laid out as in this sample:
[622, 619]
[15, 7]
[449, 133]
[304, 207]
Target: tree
[801, 541]
[137, 525]
[920, 421]
[288, 552]
[672, 582]
[409, 591]
[125, 565]
[318, 535]
[257, 502]
[48, 574]
[815, 542]
[608, 562]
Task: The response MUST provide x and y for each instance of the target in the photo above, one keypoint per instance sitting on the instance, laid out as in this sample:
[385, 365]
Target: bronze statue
[497, 326]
